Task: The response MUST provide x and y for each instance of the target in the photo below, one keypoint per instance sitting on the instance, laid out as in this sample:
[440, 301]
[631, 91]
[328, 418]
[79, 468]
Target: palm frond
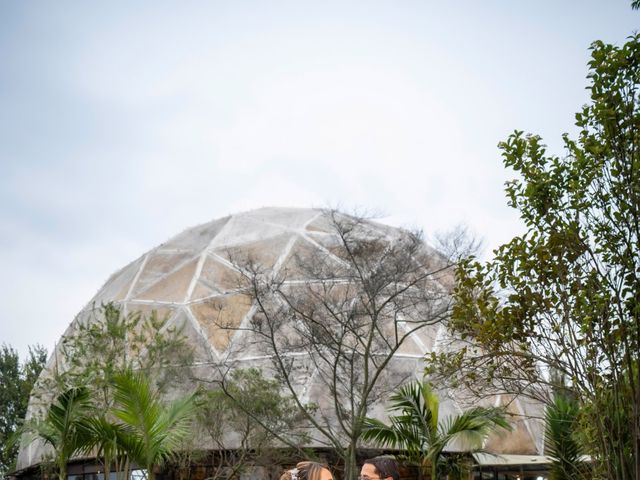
[153, 430]
[418, 404]
[432, 404]
[134, 400]
[560, 441]
[382, 434]
[418, 431]
[64, 426]
[104, 436]
[472, 427]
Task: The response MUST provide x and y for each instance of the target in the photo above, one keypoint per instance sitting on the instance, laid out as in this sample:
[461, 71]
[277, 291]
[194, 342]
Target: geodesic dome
[193, 280]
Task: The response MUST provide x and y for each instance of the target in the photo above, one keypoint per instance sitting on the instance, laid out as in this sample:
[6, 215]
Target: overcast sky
[123, 123]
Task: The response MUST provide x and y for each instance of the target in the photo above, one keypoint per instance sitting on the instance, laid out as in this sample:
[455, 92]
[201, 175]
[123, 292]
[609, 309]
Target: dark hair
[386, 466]
[305, 471]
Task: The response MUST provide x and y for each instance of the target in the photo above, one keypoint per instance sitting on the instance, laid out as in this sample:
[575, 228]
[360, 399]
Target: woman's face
[325, 474]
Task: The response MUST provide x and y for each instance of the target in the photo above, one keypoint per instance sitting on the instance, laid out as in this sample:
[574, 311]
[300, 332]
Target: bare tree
[339, 314]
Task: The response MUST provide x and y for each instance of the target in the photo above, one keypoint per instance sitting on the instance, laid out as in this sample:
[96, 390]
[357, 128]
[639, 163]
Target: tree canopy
[564, 296]
[16, 381]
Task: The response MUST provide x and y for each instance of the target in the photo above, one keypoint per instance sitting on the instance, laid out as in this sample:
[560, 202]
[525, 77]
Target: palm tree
[151, 430]
[64, 426]
[419, 431]
[561, 424]
[106, 440]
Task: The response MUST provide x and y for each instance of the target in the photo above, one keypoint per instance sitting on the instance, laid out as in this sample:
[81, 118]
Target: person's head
[383, 467]
[308, 471]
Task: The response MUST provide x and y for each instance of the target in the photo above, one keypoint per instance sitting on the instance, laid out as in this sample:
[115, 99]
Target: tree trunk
[62, 470]
[350, 462]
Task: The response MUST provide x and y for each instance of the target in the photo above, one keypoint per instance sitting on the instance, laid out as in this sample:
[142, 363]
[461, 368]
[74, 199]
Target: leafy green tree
[251, 409]
[420, 432]
[565, 295]
[562, 444]
[152, 429]
[10, 400]
[110, 342]
[16, 382]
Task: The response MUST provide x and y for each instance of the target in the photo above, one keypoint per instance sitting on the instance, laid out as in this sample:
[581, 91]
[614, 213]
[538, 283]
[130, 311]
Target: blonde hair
[304, 471]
